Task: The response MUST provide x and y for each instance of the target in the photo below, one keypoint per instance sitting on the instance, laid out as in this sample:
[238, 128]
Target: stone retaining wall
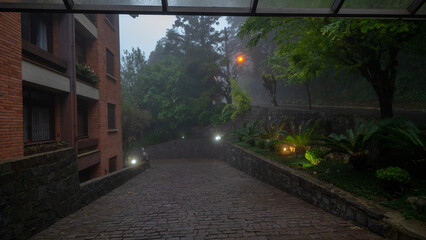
[380, 220]
[36, 191]
[330, 121]
[184, 148]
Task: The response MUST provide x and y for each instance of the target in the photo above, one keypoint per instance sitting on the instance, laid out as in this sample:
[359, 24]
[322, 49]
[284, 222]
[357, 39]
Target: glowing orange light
[240, 59]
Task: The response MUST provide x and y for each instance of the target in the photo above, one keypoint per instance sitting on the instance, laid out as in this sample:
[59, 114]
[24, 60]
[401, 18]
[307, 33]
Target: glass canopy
[331, 8]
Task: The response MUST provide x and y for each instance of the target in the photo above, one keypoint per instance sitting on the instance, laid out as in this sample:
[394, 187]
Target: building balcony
[32, 53]
[88, 154]
[85, 26]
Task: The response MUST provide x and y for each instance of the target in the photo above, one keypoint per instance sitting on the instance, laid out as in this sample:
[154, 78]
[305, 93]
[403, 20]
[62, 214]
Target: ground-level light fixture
[217, 138]
[240, 59]
[133, 162]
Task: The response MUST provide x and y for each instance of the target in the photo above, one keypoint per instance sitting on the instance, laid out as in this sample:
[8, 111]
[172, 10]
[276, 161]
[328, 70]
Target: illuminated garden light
[133, 161]
[218, 137]
[240, 59]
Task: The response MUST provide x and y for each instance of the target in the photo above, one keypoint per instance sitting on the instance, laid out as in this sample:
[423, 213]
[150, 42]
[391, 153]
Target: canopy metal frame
[164, 8]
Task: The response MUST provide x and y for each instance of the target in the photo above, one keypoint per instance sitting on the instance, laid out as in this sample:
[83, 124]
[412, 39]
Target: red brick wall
[110, 142]
[11, 110]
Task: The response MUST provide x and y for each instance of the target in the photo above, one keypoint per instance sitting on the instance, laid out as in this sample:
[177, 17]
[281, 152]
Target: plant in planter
[269, 136]
[355, 143]
[314, 156]
[402, 144]
[43, 147]
[87, 73]
[394, 179]
[247, 132]
[301, 138]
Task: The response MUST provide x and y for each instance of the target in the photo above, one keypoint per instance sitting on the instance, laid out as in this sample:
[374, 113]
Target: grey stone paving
[200, 199]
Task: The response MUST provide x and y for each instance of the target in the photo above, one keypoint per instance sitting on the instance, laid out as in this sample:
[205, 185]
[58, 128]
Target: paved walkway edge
[380, 220]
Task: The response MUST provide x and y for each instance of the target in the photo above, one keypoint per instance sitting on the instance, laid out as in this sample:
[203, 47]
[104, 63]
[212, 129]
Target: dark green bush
[314, 155]
[393, 174]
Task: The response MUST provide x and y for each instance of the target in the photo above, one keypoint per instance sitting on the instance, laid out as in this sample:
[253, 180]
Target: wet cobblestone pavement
[200, 199]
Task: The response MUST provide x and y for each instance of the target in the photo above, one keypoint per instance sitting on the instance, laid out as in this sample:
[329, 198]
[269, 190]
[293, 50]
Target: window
[38, 115]
[111, 116]
[82, 118]
[110, 62]
[113, 164]
[110, 18]
[37, 29]
[80, 48]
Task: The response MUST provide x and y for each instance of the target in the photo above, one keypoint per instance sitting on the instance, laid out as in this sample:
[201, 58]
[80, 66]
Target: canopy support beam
[164, 4]
[337, 5]
[254, 7]
[69, 4]
[415, 6]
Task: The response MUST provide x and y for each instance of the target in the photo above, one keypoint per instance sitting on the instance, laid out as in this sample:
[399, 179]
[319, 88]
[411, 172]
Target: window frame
[28, 23]
[111, 116]
[29, 103]
[82, 111]
[114, 161]
[109, 59]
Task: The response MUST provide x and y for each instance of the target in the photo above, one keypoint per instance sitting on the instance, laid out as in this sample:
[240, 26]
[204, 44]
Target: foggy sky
[143, 31]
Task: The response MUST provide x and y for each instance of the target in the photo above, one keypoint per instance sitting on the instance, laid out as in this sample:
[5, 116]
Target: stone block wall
[184, 148]
[330, 121]
[35, 191]
[303, 186]
[95, 188]
[38, 190]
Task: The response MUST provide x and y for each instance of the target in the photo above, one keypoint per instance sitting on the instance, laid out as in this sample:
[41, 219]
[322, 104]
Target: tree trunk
[309, 96]
[382, 81]
[274, 100]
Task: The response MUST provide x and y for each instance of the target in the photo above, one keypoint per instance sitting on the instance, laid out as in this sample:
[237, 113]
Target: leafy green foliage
[270, 135]
[241, 99]
[214, 116]
[306, 47]
[314, 156]
[393, 174]
[355, 142]
[364, 184]
[300, 138]
[247, 132]
[272, 132]
[403, 135]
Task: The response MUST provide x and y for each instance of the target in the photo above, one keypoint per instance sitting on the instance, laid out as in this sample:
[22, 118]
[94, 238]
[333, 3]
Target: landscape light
[218, 137]
[133, 161]
[183, 137]
[240, 59]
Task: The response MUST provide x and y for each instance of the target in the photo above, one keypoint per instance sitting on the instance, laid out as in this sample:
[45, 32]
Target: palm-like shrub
[301, 137]
[247, 132]
[270, 135]
[401, 134]
[355, 143]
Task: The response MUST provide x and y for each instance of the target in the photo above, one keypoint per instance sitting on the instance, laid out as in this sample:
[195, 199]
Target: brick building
[49, 96]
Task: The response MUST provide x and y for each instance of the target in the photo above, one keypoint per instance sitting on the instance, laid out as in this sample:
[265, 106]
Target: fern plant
[355, 143]
[300, 139]
[270, 135]
[247, 132]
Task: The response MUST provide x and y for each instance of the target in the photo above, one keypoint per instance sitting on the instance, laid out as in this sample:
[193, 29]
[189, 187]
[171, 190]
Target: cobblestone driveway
[200, 199]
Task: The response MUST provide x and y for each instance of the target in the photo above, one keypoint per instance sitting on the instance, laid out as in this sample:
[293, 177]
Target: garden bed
[363, 184]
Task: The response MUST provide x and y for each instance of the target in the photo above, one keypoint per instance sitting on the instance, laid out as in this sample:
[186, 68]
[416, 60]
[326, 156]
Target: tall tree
[368, 46]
